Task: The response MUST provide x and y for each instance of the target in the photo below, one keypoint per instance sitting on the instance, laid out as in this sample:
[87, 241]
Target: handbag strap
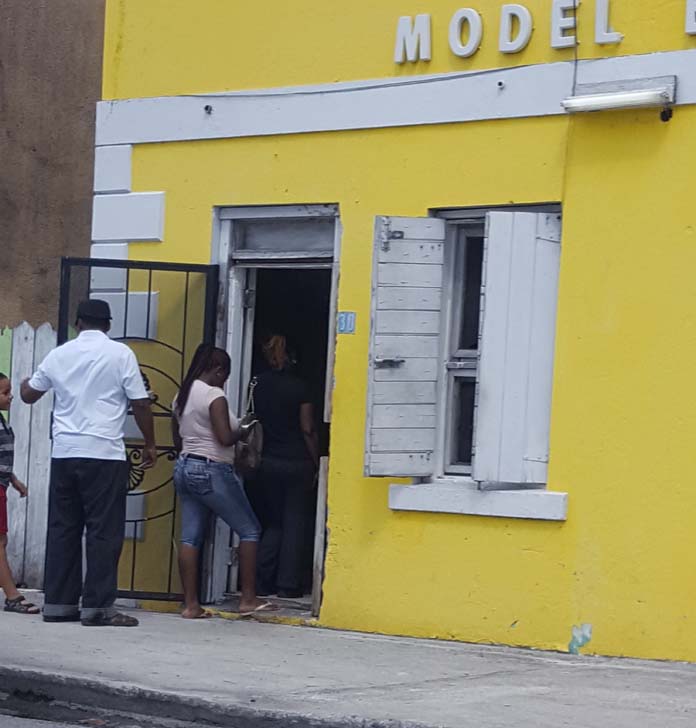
[251, 406]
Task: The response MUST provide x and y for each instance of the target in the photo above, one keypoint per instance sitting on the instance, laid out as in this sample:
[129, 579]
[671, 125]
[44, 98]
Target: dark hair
[206, 358]
[3, 376]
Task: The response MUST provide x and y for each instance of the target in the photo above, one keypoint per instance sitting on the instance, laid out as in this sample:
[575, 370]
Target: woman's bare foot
[196, 613]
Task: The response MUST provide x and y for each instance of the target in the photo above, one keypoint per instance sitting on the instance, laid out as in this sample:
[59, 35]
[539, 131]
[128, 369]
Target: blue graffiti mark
[579, 638]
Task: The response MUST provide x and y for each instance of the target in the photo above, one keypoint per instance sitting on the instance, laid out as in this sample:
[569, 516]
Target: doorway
[296, 304]
[280, 268]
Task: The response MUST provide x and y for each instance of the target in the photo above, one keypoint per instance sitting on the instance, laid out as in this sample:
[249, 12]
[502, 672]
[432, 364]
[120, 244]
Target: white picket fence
[24, 348]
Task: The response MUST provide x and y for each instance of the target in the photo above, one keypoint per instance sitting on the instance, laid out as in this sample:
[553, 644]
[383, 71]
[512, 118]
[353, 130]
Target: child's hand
[20, 487]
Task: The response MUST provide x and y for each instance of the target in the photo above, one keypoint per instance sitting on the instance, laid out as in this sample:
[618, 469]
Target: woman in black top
[286, 474]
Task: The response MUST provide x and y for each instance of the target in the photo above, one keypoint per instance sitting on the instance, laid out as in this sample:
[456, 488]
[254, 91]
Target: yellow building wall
[623, 422]
[165, 47]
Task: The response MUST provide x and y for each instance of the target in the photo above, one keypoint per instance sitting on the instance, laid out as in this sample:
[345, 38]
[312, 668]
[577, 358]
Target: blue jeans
[206, 487]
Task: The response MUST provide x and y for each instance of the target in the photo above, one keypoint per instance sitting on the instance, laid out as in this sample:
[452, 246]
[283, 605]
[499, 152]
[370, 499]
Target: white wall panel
[109, 279]
[135, 306]
[129, 217]
[112, 168]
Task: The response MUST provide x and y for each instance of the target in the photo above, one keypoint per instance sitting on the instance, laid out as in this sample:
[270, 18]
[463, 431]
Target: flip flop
[205, 614]
[265, 607]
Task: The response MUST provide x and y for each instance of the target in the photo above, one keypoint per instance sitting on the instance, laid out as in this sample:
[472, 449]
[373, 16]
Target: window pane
[471, 300]
[463, 432]
[288, 236]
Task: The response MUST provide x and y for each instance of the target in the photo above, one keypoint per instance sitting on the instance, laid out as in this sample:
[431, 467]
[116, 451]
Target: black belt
[198, 457]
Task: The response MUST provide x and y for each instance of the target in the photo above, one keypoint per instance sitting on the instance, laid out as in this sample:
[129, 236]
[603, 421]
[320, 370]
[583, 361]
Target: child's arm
[19, 486]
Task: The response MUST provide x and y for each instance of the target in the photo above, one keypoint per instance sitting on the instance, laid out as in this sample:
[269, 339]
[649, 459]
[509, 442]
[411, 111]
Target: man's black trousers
[86, 496]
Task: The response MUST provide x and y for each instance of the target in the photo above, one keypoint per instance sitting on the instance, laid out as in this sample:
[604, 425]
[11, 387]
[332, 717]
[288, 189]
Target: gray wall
[50, 81]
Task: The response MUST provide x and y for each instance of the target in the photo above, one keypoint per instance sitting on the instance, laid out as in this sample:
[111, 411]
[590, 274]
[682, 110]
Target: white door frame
[236, 312]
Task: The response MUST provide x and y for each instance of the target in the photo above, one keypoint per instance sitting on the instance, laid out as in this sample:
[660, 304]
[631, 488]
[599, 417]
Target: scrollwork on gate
[136, 472]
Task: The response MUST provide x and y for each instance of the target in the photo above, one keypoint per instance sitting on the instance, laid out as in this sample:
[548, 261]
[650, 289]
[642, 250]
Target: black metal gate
[163, 311]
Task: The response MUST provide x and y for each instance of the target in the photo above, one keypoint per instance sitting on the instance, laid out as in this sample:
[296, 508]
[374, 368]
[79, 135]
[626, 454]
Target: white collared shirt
[93, 378]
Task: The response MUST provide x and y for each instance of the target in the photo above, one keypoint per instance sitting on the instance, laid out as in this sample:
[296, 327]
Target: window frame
[450, 354]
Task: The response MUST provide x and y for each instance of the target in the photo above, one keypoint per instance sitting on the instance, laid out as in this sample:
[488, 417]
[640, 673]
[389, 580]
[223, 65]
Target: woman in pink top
[205, 432]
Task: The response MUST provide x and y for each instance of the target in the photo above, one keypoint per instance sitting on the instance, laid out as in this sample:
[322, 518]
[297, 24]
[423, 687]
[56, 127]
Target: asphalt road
[85, 721]
[50, 716]
[7, 722]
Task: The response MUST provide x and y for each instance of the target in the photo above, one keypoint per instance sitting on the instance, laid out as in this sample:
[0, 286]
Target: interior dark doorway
[296, 303]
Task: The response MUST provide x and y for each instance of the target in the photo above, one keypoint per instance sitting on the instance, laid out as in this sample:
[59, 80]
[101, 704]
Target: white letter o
[470, 16]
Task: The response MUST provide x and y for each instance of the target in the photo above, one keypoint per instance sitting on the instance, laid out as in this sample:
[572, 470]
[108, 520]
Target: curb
[40, 687]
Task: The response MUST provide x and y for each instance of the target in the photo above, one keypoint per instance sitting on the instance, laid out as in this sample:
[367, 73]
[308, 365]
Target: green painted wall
[5, 350]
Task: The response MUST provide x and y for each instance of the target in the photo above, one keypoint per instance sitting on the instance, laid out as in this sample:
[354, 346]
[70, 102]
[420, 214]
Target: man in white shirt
[93, 379]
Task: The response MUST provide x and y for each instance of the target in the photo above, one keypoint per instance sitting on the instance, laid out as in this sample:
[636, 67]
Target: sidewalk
[247, 674]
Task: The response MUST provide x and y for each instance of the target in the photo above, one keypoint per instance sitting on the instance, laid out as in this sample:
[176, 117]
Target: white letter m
[412, 39]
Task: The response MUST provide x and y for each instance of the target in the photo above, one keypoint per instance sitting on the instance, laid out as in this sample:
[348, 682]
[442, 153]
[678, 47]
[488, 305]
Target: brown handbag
[248, 451]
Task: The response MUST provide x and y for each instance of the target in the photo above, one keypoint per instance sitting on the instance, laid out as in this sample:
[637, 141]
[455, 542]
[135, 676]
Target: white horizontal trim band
[465, 498]
[526, 91]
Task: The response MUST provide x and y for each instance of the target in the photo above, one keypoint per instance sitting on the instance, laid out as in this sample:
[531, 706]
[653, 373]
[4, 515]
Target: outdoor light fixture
[638, 94]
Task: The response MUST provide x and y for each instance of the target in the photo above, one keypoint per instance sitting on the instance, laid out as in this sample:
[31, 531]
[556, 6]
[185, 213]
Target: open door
[241, 286]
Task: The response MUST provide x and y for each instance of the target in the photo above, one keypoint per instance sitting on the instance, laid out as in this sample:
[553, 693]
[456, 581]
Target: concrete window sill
[461, 495]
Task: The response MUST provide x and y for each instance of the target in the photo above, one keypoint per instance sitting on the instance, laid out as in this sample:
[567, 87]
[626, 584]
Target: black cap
[95, 309]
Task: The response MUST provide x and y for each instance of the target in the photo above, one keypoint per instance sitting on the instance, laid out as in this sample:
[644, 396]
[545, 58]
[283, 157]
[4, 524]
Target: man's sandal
[19, 605]
[115, 620]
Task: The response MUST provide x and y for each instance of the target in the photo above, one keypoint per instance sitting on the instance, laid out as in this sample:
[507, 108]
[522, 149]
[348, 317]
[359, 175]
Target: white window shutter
[518, 326]
[404, 346]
